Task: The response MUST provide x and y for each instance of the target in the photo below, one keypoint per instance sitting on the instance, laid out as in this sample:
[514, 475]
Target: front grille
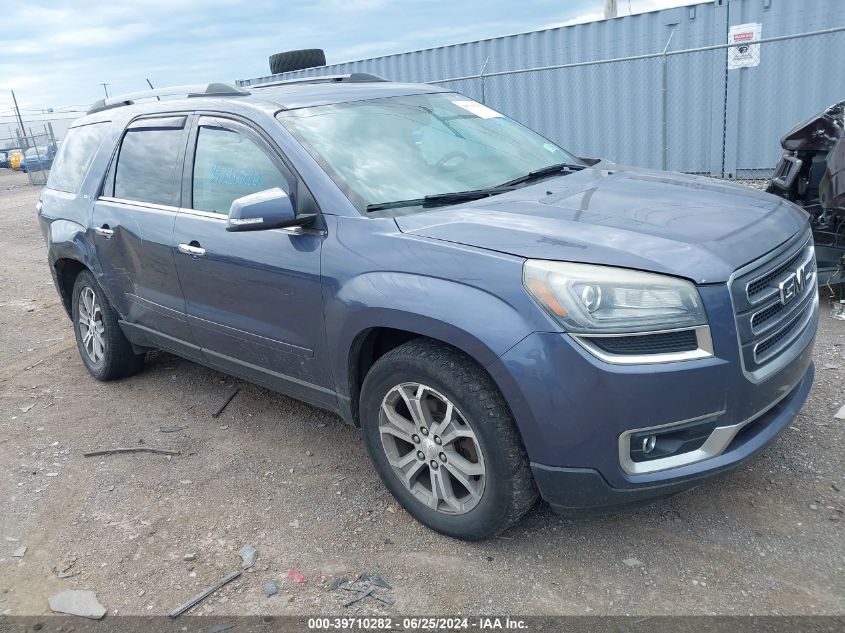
[761, 317]
[771, 342]
[774, 302]
[662, 343]
[764, 283]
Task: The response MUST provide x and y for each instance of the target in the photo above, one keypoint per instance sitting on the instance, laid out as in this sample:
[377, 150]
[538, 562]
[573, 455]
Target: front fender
[481, 324]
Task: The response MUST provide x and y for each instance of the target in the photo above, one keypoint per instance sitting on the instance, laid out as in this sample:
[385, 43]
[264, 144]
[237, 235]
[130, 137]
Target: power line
[12, 118]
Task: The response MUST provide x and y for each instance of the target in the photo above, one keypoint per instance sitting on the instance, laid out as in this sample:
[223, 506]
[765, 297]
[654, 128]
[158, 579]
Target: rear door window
[229, 165]
[75, 155]
[149, 164]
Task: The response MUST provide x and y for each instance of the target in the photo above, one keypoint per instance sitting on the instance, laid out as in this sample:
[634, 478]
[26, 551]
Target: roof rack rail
[356, 78]
[216, 89]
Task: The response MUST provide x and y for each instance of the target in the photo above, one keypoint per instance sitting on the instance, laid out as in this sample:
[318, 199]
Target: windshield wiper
[439, 199]
[475, 194]
[543, 172]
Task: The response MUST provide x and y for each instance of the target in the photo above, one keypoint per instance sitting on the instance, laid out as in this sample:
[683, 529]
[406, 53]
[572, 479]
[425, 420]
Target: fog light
[671, 440]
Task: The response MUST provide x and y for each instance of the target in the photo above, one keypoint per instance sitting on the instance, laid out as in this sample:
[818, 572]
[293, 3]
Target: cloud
[624, 8]
[56, 55]
[81, 38]
[644, 6]
[578, 19]
[351, 5]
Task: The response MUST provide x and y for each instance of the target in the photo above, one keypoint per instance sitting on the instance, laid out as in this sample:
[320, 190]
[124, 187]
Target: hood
[688, 226]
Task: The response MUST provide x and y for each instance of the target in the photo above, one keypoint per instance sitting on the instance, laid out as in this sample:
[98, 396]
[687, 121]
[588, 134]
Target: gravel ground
[295, 482]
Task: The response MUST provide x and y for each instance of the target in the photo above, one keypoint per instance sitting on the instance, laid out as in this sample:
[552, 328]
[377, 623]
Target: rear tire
[480, 446]
[105, 351]
[297, 60]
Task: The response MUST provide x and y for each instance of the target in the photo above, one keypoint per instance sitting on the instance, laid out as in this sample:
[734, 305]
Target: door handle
[104, 231]
[191, 249]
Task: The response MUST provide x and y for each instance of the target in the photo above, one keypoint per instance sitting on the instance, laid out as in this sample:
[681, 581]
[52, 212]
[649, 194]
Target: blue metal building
[652, 89]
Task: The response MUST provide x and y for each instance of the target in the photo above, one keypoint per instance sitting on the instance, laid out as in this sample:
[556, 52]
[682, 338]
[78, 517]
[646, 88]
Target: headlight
[602, 299]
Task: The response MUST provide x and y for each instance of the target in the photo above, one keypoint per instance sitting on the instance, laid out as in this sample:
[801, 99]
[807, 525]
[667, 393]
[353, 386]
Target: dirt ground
[296, 483]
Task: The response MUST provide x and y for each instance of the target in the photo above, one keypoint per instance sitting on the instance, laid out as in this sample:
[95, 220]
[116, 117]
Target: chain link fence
[31, 152]
[709, 110]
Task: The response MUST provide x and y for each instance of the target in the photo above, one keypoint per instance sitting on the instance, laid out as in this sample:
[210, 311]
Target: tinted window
[148, 166]
[75, 155]
[228, 165]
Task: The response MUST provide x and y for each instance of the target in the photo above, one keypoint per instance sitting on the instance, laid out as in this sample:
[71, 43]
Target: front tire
[105, 351]
[444, 442]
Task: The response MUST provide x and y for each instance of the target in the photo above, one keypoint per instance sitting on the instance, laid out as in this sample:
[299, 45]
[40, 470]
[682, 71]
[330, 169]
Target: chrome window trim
[163, 207]
[716, 443]
[210, 215]
[138, 203]
[204, 214]
[702, 336]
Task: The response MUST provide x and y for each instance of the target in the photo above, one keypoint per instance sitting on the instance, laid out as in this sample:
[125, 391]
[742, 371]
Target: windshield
[409, 147]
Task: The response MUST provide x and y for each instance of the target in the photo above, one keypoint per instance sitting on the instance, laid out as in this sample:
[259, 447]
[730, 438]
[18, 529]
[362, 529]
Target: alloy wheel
[432, 448]
[91, 328]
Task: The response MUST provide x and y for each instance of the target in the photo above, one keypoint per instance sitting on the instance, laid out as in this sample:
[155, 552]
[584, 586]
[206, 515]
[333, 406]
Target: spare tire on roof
[297, 60]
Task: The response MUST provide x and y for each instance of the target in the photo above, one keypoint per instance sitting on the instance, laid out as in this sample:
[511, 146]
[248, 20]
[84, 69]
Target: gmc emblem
[792, 285]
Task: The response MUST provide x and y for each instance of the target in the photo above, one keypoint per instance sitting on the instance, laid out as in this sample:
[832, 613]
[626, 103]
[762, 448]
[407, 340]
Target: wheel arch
[69, 254]
[376, 340]
[368, 314]
[66, 271]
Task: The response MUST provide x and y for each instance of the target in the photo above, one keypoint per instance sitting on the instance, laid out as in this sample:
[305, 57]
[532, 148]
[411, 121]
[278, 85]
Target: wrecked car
[811, 173]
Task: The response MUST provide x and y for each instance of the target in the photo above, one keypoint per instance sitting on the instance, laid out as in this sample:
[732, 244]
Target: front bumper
[573, 491]
[572, 409]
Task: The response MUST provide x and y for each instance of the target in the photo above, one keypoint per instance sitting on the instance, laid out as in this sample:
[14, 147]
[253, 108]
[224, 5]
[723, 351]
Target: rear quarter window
[149, 163]
[75, 155]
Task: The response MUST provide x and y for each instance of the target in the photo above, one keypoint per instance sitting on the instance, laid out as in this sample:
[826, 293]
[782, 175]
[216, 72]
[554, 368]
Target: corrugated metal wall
[620, 37]
[716, 121]
[796, 78]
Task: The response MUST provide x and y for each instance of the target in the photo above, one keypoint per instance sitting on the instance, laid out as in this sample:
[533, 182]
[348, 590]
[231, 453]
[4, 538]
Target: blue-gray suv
[501, 318]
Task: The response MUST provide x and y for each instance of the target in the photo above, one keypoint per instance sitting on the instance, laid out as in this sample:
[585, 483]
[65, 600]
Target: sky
[56, 54]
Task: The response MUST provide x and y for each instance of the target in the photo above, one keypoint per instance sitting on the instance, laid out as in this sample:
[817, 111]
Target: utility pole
[610, 9]
[18, 113]
[106, 89]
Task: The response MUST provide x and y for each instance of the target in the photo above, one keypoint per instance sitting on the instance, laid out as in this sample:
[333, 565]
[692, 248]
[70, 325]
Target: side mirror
[270, 209]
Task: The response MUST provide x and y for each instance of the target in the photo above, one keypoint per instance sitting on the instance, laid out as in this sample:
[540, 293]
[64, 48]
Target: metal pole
[481, 77]
[18, 113]
[664, 108]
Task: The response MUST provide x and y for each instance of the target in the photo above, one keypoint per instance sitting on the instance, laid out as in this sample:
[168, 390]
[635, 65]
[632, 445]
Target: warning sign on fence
[744, 54]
